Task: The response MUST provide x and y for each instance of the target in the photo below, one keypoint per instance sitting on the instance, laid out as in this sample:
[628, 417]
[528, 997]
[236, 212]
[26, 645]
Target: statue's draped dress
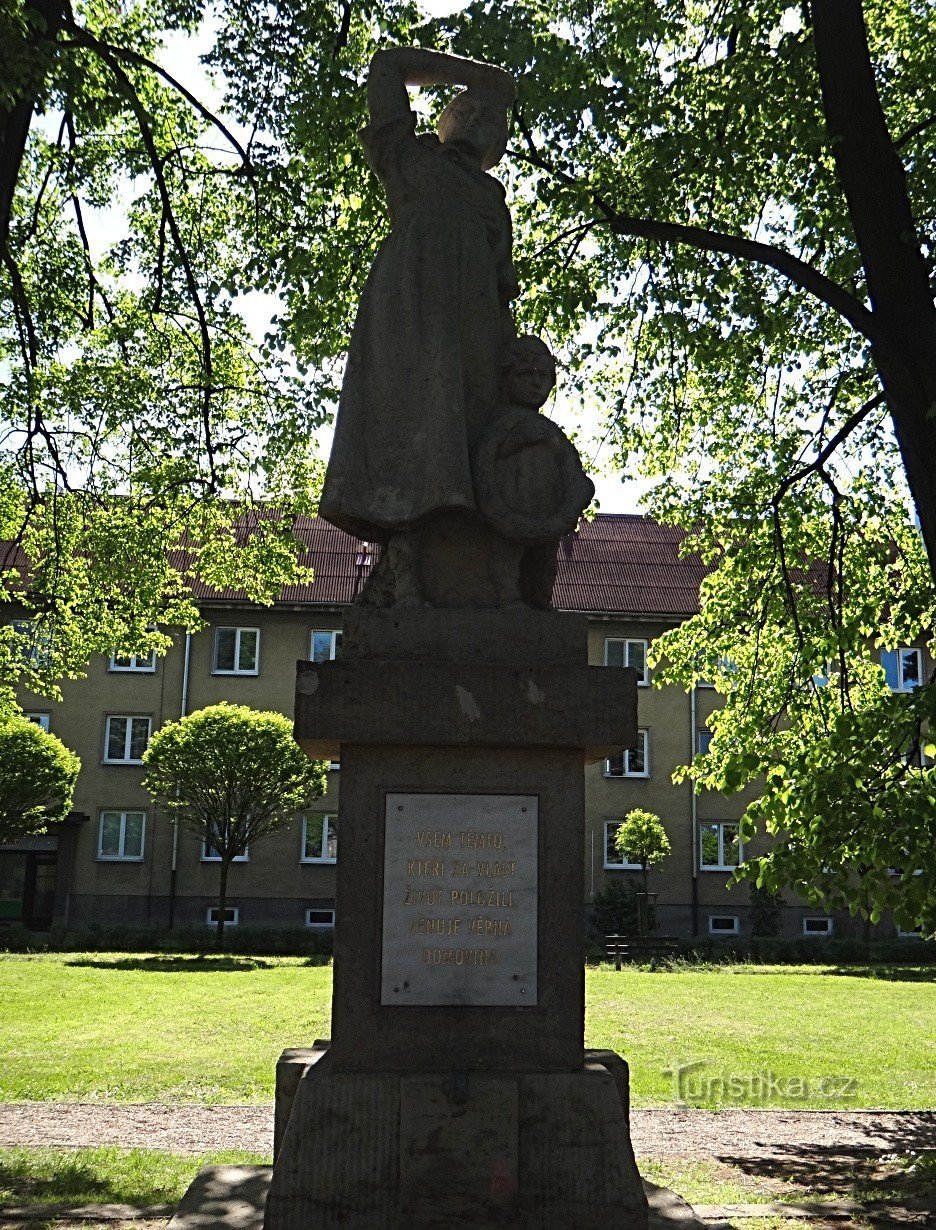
[424, 361]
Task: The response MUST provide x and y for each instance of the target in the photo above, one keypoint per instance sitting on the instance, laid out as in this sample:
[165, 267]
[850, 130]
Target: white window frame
[327, 816]
[133, 664]
[233, 910]
[721, 865]
[238, 631]
[898, 651]
[643, 736]
[826, 930]
[207, 857]
[335, 645]
[121, 856]
[319, 926]
[129, 718]
[621, 865]
[39, 719]
[909, 935]
[643, 681]
[713, 930]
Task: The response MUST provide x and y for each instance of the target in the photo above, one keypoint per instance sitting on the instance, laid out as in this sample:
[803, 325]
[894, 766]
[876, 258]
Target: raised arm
[391, 71]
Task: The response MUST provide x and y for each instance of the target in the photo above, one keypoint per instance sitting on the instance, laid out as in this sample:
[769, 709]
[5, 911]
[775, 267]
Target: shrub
[614, 910]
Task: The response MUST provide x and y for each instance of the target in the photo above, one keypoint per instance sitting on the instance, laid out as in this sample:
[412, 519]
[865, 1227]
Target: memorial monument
[455, 1090]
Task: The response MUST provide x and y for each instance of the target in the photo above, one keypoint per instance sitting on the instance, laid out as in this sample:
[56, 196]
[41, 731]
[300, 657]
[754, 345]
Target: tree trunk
[222, 899]
[874, 185]
[16, 117]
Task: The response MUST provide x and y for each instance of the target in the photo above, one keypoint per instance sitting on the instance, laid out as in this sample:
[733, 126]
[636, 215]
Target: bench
[639, 947]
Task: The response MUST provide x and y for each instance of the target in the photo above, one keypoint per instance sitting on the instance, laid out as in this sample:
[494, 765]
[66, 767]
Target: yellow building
[119, 860]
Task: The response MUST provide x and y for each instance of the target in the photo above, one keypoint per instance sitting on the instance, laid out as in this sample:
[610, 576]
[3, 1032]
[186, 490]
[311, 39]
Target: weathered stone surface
[291, 1066]
[523, 1149]
[339, 1161]
[465, 1128]
[370, 1036]
[576, 1166]
[667, 1211]
[485, 638]
[224, 1198]
[434, 704]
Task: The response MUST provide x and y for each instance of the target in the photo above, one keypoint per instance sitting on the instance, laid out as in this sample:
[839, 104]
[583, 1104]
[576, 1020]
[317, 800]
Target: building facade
[120, 860]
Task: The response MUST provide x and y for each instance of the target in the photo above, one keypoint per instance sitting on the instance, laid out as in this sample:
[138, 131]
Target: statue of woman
[424, 361]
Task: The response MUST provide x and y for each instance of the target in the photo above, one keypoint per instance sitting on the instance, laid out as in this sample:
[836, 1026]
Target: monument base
[388, 1149]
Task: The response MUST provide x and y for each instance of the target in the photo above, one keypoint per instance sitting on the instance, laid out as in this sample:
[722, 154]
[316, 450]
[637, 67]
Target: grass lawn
[103, 1176]
[132, 1028]
[75, 1177]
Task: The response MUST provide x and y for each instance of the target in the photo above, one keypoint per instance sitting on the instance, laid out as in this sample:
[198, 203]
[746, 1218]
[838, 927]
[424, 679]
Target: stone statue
[424, 359]
[439, 453]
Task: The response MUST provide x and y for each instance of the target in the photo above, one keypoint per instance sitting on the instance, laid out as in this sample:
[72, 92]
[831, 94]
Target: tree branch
[791, 267]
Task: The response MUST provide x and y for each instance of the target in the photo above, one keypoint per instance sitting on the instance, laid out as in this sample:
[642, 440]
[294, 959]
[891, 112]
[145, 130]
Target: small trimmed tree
[37, 778]
[231, 775]
[641, 838]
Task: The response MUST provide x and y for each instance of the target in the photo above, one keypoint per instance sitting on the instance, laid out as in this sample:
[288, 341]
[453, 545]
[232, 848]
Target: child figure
[529, 482]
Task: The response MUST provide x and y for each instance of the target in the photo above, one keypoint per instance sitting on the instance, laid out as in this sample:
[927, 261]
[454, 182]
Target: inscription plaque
[460, 899]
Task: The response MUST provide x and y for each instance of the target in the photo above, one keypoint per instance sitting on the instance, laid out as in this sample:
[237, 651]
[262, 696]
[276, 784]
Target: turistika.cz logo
[692, 1084]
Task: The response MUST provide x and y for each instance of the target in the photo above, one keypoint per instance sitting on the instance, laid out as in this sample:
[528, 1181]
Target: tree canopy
[231, 775]
[37, 778]
[724, 220]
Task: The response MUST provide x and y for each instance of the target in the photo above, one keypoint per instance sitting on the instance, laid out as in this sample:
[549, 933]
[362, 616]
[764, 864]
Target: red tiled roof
[616, 564]
[619, 563]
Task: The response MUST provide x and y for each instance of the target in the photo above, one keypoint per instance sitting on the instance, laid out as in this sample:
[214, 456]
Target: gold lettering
[431, 837]
[460, 868]
[425, 867]
[422, 896]
[472, 839]
[492, 898]
[459, 956]
[494, 870]
[435, 926]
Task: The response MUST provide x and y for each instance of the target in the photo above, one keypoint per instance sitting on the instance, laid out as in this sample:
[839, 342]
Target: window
[319, 838]
[723, 924]
[817, 926]
[903, 668]
[134, 662]
[628, 653]
[236, 651]
[612, 858]
[231, 915]
[34, 644]
[120, 836]
[210, 855]
[320, 920]
[703, 741]
[727, 665]
[915, 934]
[720, 847]
[125, 738]
[40, 719]
[632, 762]
[324, 645]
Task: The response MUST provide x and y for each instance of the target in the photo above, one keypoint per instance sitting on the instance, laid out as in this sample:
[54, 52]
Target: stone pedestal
[456, 1089]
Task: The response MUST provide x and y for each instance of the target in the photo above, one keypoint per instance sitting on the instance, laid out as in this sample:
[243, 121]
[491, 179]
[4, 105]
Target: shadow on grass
[70, 1183]
[905, 1171]
[196, 964]
[886, 973]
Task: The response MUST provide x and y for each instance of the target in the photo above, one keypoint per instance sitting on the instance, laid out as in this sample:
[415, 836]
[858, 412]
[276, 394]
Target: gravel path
[666, 1131]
